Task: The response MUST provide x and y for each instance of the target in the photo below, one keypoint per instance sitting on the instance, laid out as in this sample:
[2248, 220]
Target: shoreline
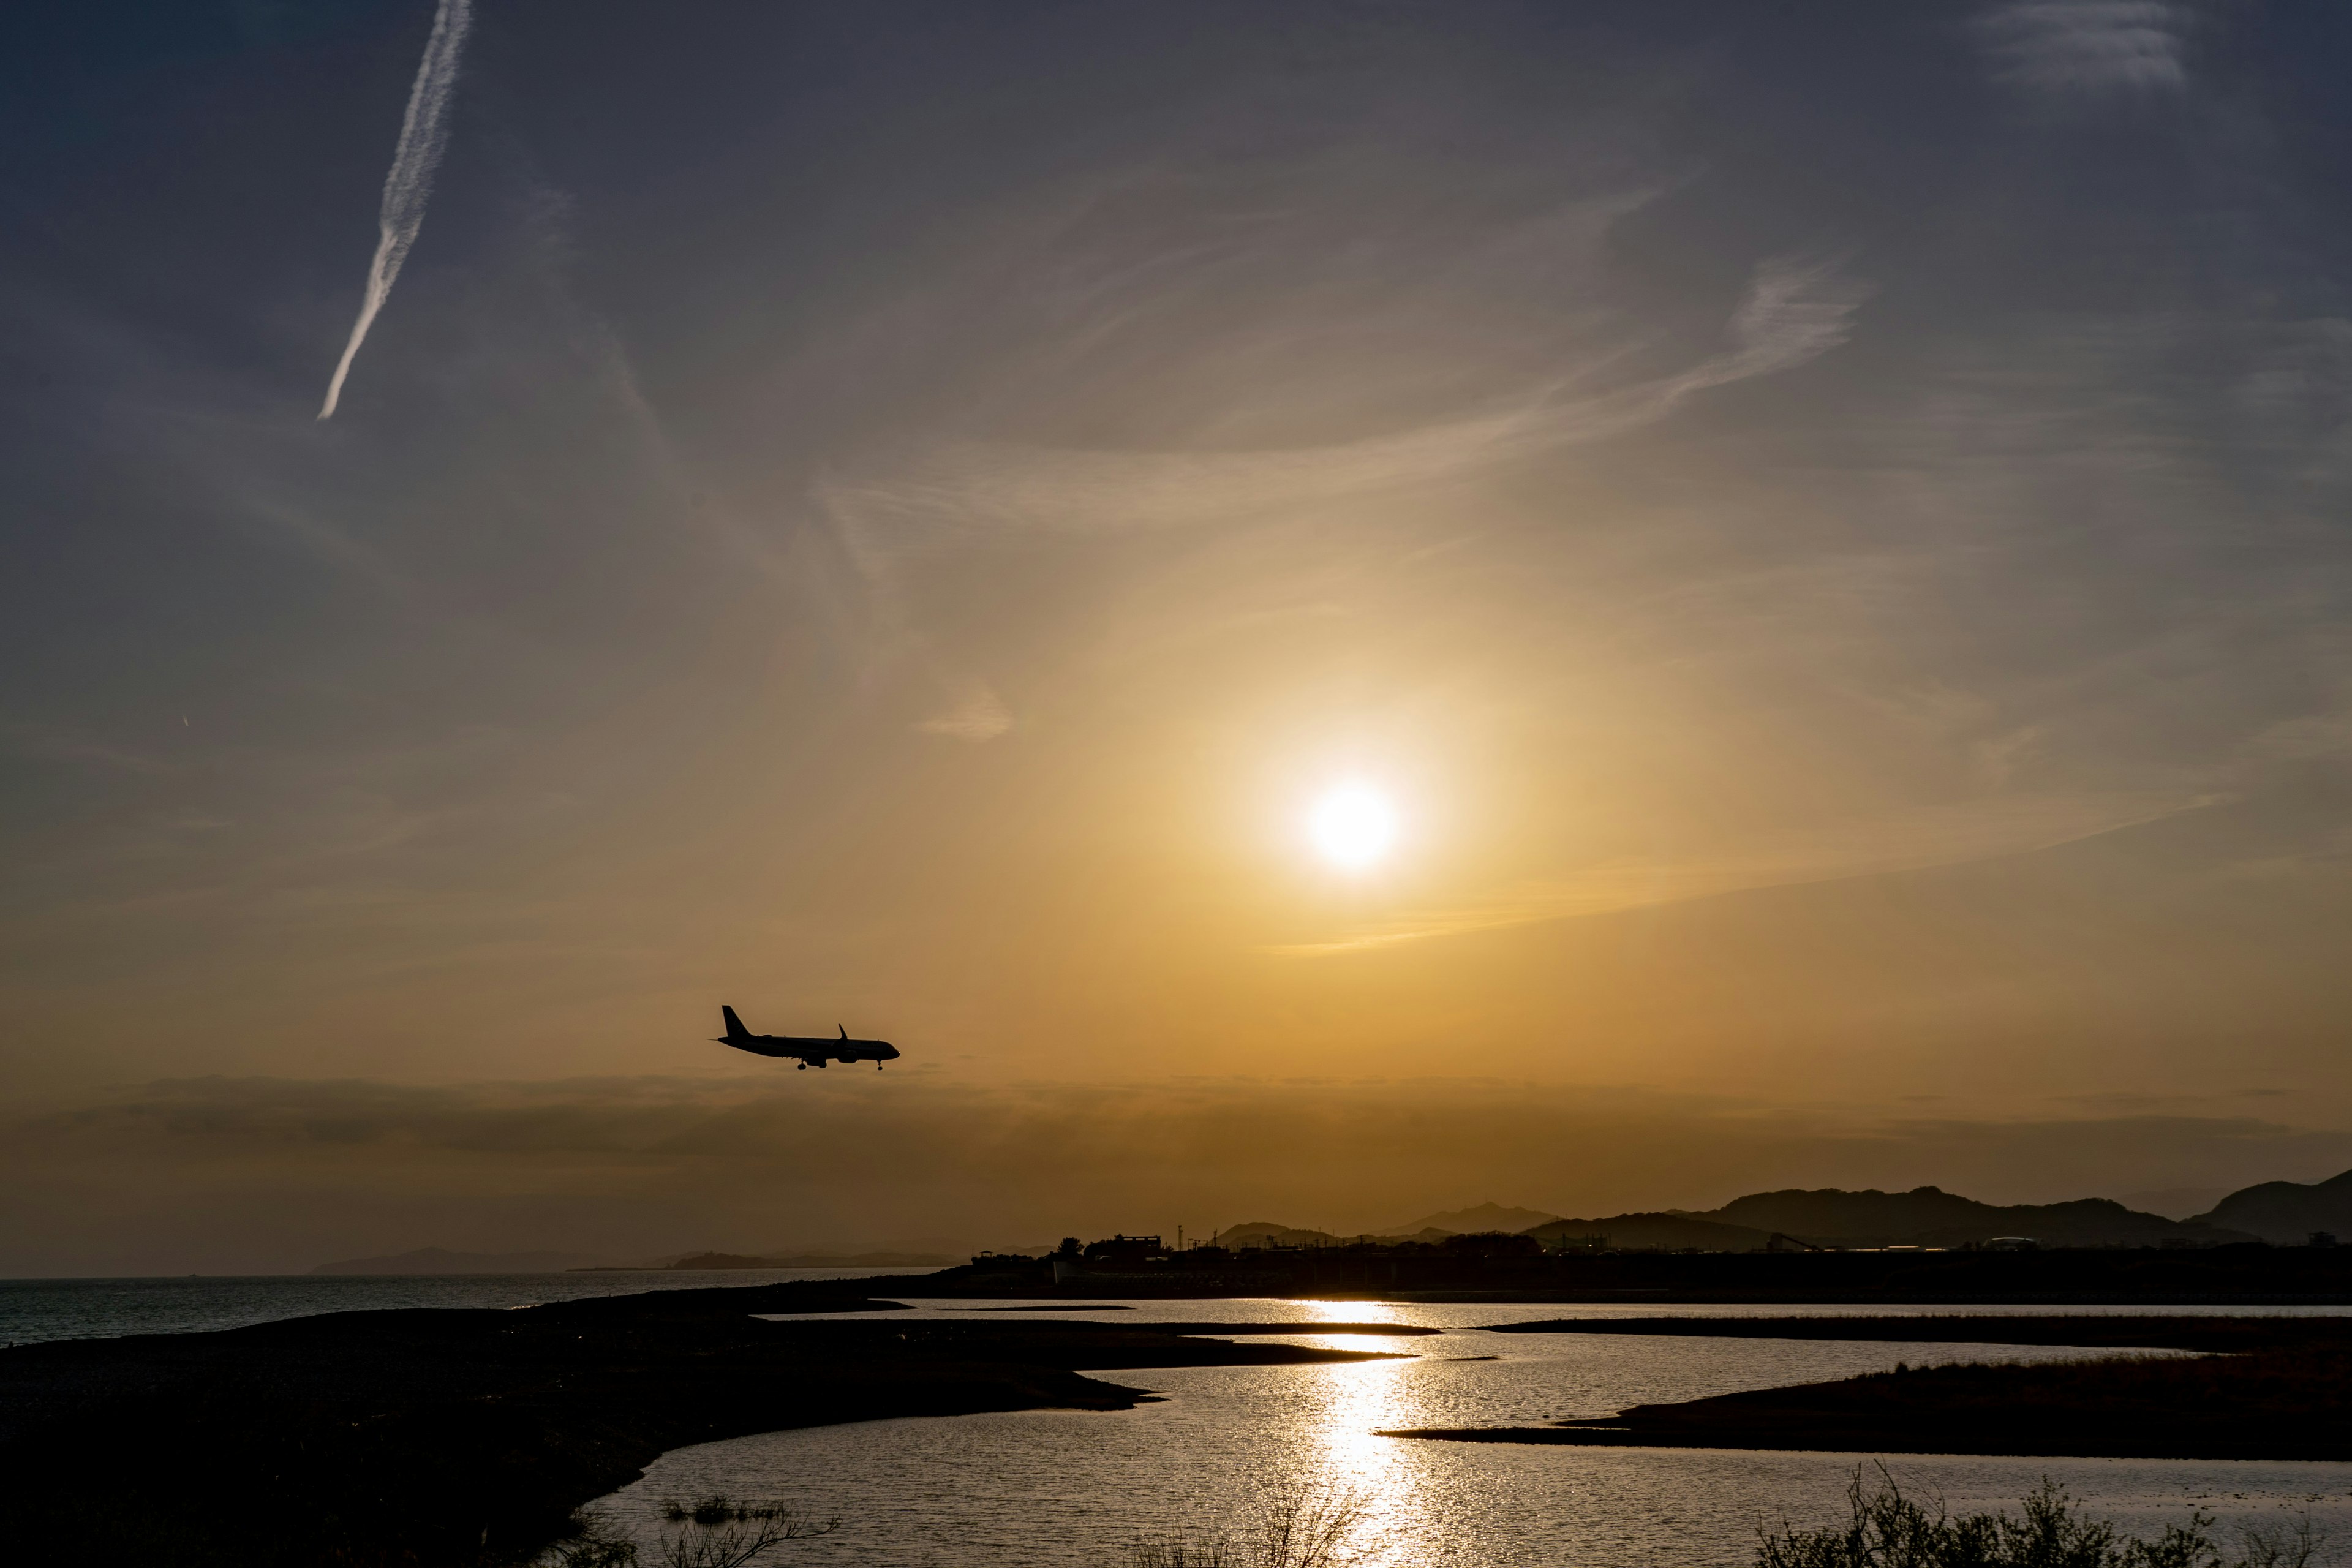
[2249, 1275]
[2248, 1388]
[467, 1436]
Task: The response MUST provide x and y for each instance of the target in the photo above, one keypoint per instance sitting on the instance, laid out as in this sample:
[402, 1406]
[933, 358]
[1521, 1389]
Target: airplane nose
[892, 1049]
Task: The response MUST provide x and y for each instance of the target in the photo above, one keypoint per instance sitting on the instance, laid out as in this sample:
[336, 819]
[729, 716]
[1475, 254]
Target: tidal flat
[2251, 1388]
[459, 1436]
[938, 1434]
[1069, 1489]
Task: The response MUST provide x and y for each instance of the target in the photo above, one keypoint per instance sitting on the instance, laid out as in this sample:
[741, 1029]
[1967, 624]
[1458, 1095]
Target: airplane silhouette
[814, 1051]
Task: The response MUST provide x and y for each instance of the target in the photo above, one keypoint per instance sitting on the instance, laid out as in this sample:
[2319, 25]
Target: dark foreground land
[432, 1437]
[2091, 1330]
[1515, 1269]
[2268, 1388]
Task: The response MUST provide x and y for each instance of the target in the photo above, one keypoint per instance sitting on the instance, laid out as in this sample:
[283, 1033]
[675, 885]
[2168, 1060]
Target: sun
[1352, 825]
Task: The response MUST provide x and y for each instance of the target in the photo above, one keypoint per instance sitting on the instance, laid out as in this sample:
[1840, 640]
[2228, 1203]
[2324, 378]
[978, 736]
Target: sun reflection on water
[1369, 1470]
[1079, 1488]
[1348, 1312]
[1336, 1456]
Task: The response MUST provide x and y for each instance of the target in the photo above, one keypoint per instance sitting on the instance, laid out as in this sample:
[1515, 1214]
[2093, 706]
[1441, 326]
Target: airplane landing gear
[803, 1066]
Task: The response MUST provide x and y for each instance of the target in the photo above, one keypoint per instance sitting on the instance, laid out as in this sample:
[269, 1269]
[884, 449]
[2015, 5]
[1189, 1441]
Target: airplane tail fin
[735, 1029]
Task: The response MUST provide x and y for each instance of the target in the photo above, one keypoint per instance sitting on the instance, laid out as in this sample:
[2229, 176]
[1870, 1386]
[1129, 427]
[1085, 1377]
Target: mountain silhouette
[441, 1260]
[2174, 1203]
[2281, 1212]
[1930, 1216]
[2287, 1212]
[1266, 1233]
[816, 1260]
[1662, 1231]
[1486, 1217]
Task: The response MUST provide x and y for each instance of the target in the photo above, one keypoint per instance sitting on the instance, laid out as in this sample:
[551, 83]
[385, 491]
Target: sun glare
[1353, 825]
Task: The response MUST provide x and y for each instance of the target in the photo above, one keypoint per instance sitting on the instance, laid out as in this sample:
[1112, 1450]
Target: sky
[1815, 532]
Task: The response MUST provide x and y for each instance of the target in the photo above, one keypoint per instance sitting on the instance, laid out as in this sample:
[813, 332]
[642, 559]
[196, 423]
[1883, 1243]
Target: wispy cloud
[980, 716]
[410, 184]
[54, 746]
[1793, 311]
[2089, 46]
[1912, 840]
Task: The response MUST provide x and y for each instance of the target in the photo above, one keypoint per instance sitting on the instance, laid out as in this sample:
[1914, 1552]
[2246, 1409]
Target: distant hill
[440, 1260]
[2174, 1203]
[817, 1260]
[959, 1249]
[2287, 1212]
[1661, 1231]
[1469, 1222]
[1266, 1233]
[1930, 1216]
[2281, 1212]
[1635, 1230]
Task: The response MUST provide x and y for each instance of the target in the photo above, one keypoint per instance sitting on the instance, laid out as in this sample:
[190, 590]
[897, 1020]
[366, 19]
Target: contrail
[411, 180]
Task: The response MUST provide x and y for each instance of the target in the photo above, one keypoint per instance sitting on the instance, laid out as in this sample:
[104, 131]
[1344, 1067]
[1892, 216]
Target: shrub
[1294, 1528]
[1887, 1530]
[713, 1532]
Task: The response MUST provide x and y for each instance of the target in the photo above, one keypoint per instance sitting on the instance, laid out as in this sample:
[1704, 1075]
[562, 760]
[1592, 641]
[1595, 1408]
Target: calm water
[34, 1310]
[1073, 1488]
[1070, 1486]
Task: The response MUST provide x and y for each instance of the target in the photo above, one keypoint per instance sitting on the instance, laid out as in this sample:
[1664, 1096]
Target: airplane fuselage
[815, 1050]
[809, 1050]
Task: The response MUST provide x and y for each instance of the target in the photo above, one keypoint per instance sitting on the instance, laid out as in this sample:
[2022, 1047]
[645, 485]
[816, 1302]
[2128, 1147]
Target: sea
[1219, 1444]
[34, 1310]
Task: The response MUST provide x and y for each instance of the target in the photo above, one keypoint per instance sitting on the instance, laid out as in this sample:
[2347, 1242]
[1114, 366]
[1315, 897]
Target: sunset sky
[1799, 552]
